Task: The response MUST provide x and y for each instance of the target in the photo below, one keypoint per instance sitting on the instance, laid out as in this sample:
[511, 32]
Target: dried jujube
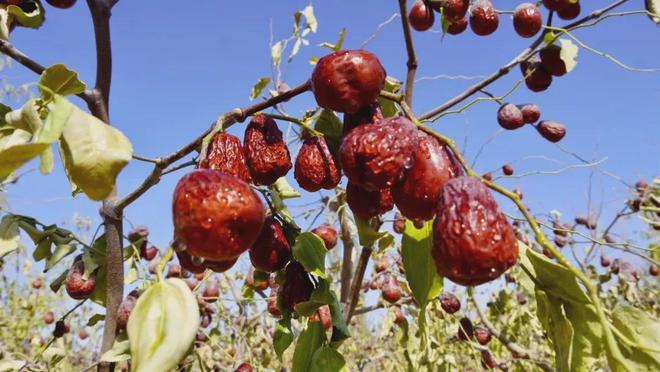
[266, 152]
[271, 251]
[328, 234]
[225, 154]
[374, 157]
[76, 285]
[216, 216]
[297, 286]
[473, 242]
[484, 19]
[416, 195]
[365, 203]
[369, 114]
[316, 167]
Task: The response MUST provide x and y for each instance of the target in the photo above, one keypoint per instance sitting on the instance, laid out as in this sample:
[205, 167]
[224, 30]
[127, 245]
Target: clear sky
[177, 67]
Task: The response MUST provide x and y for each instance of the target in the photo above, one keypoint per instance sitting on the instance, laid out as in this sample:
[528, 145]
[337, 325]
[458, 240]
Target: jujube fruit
[266, 152]
[75, 284]
[421, 16]
[398, 315]
[551, 60]
[322, 314]
[465, 329]
[416, 195]
[449, 303]
[510, 117]
[83, 334]
[62, 4]
[537, 79]
[484, 19]
[653, 270]
[473, 242]
[555, 5]
[375, 156]
[488, 361]
[531, 113]
[347, 80]
[220, 266]
[569, 11]
[366, 204]
[187, 262]
[174, 271]
[328, 234]
[604, 261]
[216, 216]
[49, 317]
[61, 328]
[297, 286]
[507, 169]
[527, 20]
[211, 291]
[244, 367]
[316, 167]
[458, 26]
[391, 290]
[482, 335]
[225, 154]
[272, 307]
[454, 10]
[551, 130]
[271, 251]
[37, 283]
[124, 311]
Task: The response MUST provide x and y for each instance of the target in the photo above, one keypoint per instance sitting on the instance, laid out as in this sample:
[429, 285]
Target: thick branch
[347, 258]
[228, 119]
[100, 11]
[518, 351]
[349, 309]
[410, 49]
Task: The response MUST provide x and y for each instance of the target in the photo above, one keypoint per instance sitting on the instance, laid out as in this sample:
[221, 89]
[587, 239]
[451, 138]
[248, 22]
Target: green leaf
[93, 153]
[259, 87]
[367, 234]
[33, 19]
[284, 190]
[552, 277]
[310, 251]
[162, 326]
[309, 340]
[340, 330]
[385, 242]
[322, 295]
[15, 151]
[61, 251]
[4, 110]
[640, 330]
[121, 350]
[282, 338]
[336, 46]
[95, 319]
[42, 251]
[421, 274]
[58, 79]
[327, 359]
[57, 283]
[9, 235]
[331, 127]
[568, 54]
[388, 107]
[558, 328]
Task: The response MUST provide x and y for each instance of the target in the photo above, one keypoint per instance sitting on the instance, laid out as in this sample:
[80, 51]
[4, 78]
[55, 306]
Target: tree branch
[347, 258]
[349, 309]
[518, 351]
[226, 120]
[410, 49]
[100, 11]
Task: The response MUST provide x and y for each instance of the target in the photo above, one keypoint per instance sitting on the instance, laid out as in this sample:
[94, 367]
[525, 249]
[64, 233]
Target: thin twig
[410, 49]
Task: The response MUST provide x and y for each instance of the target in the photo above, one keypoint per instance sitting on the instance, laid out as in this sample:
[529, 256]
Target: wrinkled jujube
[271, 251]
[510, 117]
[297, 286]
[537, 79]
[225, 154]
[473, 242]
[391, 290]
[75, 284]
[551, 130]
[266, 153]
[366, 204]
[484, 19]
[316, 167]
[551, 60]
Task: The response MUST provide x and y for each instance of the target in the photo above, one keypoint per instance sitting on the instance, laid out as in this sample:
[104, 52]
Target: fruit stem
[298, 122]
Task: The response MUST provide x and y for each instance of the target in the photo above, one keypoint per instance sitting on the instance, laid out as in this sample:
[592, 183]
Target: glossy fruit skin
[554, 5]
[507, 169]
[366, 204]
[348, 80]
[488, 361]
[473, 242]
[551, 130]
[653, 270]
[271, 252]
[482, 335]
[531, 113]
[297, 286]
[328, 234]
[225, 154]
[62, 4]
[211, 292]
[484, 20]
[216, 216]
[551, 60]
[149, 253]
[187, 263]
[375, 157]
[449, 303]
[421, 16]
[537, 78]
[510, 117]
[316, 167]
[527, 20]
[266, 152]
[391, 290]
[455, 10]
[369, 114]
[322, 315]
[220, 266]
[76, 286]
[416, 195]
[570, 11]
[458, 26]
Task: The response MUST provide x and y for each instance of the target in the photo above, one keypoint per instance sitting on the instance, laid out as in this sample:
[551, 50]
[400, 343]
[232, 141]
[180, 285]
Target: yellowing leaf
[259, 87]
[9, 235]
[93, 153]
[32, 19]
[568, 54]
[58, 79]
[653, 7]
[312, 23]
[162, 326]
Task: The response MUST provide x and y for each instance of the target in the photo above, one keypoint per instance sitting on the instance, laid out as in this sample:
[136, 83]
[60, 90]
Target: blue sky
[177, 67]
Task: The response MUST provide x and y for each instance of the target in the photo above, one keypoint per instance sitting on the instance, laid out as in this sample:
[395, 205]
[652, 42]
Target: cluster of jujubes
[512, 117]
